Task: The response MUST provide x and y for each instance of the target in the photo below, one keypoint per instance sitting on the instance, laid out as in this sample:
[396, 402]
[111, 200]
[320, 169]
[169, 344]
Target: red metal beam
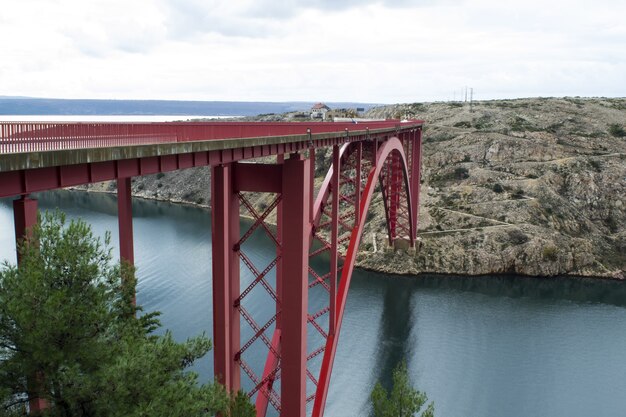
[258, 177]
[280, 160]
[18, 137]
[357, 183]
[416, 167]
[296, 229]
[334, 246]
[225, 233]
[125, 219]
[385, 150]
[269, 375]
[25, 218]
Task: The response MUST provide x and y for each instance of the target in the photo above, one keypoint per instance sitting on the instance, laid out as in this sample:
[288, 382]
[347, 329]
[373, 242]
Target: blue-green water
[479, 347]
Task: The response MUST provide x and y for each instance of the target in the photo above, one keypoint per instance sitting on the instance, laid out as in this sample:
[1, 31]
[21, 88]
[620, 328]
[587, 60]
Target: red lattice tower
[328, 236]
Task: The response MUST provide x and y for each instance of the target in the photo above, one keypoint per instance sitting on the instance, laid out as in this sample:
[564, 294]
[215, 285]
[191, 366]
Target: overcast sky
[284, 50]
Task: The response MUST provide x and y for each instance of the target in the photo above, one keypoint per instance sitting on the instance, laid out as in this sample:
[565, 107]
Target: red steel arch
[389, 156]
[44, 156]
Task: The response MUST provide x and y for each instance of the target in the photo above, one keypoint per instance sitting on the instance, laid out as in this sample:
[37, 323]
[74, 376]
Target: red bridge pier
[300, 344]
[25, 217]
[292, 181]
[125, 219]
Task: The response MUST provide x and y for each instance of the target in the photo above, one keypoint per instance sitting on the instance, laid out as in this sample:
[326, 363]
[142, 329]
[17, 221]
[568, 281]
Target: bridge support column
[272, 360]
[296, 229]
[334, 240]
[25, 218]
[125, 220]
[416, 164]
[225, 233]
[357, 184]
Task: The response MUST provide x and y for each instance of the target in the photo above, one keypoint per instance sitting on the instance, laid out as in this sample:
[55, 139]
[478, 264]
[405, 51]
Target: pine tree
[403, 400]
[69, 334]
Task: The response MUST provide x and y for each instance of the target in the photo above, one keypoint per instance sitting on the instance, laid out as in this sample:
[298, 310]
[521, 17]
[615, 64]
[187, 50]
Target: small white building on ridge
[319, 110]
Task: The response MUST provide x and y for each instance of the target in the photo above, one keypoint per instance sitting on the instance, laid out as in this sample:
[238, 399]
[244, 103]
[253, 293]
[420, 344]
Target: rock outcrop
[530, 187]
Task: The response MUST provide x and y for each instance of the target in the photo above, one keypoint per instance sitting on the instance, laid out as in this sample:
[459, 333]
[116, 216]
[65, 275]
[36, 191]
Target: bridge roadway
[44, 156]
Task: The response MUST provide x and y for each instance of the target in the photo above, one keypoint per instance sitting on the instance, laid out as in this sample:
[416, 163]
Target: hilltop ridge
[527, 186]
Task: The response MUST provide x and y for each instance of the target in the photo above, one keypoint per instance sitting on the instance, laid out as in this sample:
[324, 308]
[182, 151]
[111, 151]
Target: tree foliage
[69, 334]
[403, 400]
[617, 130]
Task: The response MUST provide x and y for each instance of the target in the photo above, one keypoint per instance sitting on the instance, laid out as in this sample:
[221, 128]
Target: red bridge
[299, 340]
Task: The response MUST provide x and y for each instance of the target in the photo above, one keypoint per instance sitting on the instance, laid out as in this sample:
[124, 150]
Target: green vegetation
[555, 127]
[518, 194]
[461, 173]
[69, 335]
[595, 164]
[439, 137]
[617, 130]
[550, 253]
[519, 124]
[518, 237]
[483, 122]
[403, 400]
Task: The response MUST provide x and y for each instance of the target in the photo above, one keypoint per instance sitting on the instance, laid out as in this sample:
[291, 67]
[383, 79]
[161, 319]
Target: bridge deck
[40, 156]
[27, 138]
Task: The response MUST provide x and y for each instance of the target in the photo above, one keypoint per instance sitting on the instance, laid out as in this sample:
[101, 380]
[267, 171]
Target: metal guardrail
[22, 137]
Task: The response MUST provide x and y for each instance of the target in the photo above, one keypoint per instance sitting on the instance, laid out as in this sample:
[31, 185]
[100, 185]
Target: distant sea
[173, 110]
[105, 118]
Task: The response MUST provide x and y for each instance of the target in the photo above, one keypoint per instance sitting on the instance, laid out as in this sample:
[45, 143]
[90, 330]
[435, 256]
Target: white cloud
[377, 51]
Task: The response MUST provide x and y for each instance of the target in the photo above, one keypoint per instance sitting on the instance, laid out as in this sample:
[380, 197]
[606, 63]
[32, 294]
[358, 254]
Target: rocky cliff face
[530, 187]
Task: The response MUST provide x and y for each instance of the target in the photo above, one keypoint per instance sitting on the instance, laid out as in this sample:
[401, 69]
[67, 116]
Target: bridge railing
[20, 137]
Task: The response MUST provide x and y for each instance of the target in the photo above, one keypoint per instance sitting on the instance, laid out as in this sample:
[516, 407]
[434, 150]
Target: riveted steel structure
[316, 235]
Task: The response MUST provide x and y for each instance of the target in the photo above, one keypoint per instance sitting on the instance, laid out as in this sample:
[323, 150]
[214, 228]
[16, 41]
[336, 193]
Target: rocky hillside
[530, 186]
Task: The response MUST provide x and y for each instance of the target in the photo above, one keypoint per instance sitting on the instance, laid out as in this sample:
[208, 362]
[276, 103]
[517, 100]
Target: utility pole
[471, 98]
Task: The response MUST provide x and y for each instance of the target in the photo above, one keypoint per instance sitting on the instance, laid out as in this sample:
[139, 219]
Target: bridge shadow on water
[396, 324]
[400, 317]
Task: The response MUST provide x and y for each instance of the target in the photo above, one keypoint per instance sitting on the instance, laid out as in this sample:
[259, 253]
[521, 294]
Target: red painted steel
[248, 180]
[272, 363]
[125, 219]
[308, 232]
[389, 148]
[25, 218]
[357, 185]
[334, 240]
[269, 375]
[296, 229]
[225, 232]
[19, 137]
[416, 167]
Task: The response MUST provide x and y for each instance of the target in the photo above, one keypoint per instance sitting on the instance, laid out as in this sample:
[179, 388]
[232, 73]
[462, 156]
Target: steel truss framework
[315, 239]
[308, 278]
